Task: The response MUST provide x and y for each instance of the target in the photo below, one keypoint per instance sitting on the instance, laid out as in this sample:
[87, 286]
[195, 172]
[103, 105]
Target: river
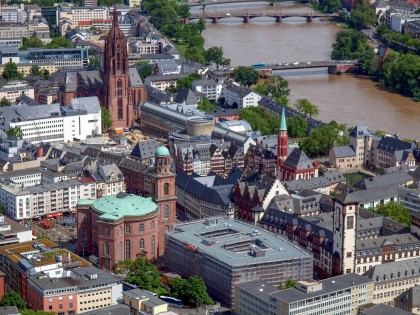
[349, 99]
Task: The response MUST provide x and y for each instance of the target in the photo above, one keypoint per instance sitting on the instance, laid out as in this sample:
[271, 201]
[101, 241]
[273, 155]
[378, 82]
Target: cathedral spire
[115, 14]
[283, 121]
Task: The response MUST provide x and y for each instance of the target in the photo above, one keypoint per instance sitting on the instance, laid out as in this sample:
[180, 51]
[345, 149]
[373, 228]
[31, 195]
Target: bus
[259, 65]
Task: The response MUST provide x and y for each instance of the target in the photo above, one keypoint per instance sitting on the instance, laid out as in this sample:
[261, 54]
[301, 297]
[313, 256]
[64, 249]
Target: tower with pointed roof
[116, 77]
[283, 140]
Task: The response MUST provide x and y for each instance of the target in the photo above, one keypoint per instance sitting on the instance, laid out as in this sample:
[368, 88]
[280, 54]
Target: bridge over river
[210, 2]
[334, 66]
[278, 16]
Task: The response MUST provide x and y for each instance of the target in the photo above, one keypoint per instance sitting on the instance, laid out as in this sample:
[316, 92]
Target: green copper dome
[161, 151]
[114, 207]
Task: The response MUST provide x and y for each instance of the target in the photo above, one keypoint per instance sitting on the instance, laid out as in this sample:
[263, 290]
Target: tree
[201, 25]
[246, 75]
[306, 107]
[184, 11]
[322, 139]
[288, 285]
[12, 298]
[35, 70]
[15, 132]
[277, 88]
[145, 71]
[11, 72]
[195, 54]
[123, 266]
[394, 211]
[143, 274]
[205, 105]
[106, 118]
[296, 127]
[191, 291]
[5, 102]
[329, 6]
[33, 42]
[186, 82]
[362, 16]
[260, 120]
[214, 54]
[59, 42]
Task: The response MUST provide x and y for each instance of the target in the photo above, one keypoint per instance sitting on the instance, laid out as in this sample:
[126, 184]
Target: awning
[53, 215]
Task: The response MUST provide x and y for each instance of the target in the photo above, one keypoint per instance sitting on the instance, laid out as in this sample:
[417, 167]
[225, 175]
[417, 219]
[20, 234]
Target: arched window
[141, 228]
[166, 189]
[167, 228]
[152, 225]
[153, 246]
[106, 248]
[166, 212]
[84, 217]
[119, 88]
[142, 244]
[127, 249]
[120, 109]
[106, 231]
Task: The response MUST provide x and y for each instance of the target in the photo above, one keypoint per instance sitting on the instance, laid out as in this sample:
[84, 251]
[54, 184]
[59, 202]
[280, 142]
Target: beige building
[343, 158]
[392, 279]
[70, 17]
[338, 295]
[14, 30]
[12, 90]
[143, 302]
[25, 68]
[409, 301]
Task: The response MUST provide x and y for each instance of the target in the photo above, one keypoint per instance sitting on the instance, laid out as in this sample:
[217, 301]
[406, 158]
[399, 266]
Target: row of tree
[56, 42]
[145, 275]
[389, 36]
[11, 72]
[399, 72]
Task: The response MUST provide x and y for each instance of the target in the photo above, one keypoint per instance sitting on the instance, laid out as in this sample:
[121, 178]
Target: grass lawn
[353, 178]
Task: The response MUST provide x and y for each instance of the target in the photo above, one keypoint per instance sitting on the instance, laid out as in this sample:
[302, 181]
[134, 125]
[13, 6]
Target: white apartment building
[238, 96]
[54, 123]
[13, 13]
[42, 200]
[409, 198]
[25, 178]
[72, 16]
[12, 232]
[11, 91]
[210, 88]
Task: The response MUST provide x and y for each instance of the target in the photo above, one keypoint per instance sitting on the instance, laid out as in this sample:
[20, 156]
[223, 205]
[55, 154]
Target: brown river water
[348, 99]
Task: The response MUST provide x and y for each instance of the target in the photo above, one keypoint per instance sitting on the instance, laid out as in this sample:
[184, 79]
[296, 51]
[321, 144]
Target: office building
[225, 252]
[10, 30]
[338, 295]
[12, 90]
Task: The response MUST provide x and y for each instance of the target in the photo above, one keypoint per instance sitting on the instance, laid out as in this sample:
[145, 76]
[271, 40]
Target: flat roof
[230, 242]
[330, 285]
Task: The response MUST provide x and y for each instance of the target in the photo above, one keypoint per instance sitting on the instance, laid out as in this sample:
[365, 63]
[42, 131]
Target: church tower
[283, 141]
[116, 78]
[346, 210]
[163, 183]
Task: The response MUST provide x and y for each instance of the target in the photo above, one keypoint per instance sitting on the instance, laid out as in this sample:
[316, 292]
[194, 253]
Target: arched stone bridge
[248, 16]
[334, 66]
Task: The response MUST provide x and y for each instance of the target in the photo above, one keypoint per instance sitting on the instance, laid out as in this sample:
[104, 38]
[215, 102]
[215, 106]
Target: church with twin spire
[118, 87]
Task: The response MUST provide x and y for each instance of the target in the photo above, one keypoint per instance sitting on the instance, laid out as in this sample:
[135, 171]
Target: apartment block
[338, 295]
[392, 279]
[54, 123]
[44, 200]
[12, 90]
[67, 16]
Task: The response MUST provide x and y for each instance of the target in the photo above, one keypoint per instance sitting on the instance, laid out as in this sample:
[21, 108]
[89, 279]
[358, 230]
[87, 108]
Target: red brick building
[119, 87]
[126, 226]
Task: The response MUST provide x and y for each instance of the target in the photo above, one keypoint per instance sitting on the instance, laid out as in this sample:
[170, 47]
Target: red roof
[87, 180]
[85, 22]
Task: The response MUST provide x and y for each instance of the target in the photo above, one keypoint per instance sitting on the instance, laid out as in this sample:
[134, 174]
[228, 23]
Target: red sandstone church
[119, 88]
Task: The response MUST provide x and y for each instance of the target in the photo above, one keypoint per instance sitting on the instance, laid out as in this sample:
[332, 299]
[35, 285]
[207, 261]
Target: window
[84, 236]
[166, 212]
[153, 246]
[120, 109]
[152, 225]
[166, 189]
[350, 222]
[106, 231]
[119, 231]
[127, 249]
[84, 217]
[348, 254]
[141, 228]
[127, 229]
[142, 244]
[106, 248]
